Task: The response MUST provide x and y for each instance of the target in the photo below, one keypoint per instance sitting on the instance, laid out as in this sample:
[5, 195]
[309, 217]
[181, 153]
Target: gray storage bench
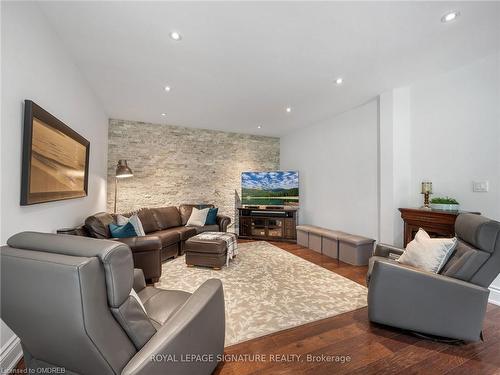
[348, 248]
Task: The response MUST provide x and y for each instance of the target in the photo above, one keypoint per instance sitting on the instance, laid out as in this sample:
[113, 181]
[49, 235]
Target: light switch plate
[480, 186]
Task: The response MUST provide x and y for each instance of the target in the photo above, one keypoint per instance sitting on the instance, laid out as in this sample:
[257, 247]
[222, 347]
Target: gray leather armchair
[451, 304]
[68, 299]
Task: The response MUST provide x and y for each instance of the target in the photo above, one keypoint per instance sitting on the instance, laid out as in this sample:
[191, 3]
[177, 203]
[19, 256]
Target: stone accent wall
[174, 165]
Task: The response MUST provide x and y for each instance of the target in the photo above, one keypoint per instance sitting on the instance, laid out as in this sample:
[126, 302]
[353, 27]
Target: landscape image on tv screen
[275, 188]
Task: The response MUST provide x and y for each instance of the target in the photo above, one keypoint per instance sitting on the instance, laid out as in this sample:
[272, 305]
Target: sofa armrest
[416, 300]
[190, 342]
[142, 243]
[383, 250]
[139, 280]
[223, 222]
[146, 253]
[82, 231]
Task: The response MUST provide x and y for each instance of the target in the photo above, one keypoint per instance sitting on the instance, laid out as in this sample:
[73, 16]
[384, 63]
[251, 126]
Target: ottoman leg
[216, 268]
[190, 265]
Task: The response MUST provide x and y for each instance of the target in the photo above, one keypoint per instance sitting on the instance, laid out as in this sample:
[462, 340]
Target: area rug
[268, 289]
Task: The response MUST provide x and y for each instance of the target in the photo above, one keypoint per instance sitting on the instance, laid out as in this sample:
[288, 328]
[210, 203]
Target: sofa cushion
[98, 225]
[166, 217]
[185, 232]
[167, 237]
[162, 304]
[464, 262]
[185, 210]
[148, 220]
[207, 228]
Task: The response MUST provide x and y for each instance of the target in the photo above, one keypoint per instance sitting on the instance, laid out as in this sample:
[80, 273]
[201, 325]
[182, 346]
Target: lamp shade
[123, 170]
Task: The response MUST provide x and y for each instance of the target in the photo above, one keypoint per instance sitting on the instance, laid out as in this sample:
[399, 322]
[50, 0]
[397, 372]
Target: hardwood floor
[371, 348]
[361, 347]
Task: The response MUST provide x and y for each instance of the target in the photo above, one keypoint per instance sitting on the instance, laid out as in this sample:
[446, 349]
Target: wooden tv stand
[268, 223]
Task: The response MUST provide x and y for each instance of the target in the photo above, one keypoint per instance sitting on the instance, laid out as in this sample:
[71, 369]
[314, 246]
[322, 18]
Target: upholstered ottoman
[209, 249]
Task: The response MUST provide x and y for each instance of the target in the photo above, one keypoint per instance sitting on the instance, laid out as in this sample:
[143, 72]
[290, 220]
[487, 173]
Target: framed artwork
[55, 159]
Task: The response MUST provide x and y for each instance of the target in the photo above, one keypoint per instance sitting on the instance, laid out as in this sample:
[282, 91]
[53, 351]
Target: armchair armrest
[416, 300]
[190, 342]
[383, 250]
[223, 222]
[139, 280]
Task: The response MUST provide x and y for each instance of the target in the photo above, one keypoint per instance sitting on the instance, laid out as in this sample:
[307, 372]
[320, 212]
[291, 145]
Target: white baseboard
[494, 295]
[10, 354]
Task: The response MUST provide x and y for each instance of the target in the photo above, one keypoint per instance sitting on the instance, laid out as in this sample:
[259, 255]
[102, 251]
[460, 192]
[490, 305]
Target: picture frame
[55, 160]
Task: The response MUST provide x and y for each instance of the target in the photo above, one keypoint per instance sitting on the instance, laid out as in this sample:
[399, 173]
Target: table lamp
[426, 191]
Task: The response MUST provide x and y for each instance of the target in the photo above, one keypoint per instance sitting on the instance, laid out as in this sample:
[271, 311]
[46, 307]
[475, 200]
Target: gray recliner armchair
[68, 299]
[451, 304]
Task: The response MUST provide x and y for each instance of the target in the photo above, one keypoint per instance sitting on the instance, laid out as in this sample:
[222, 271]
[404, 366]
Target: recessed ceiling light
[259, 127]
[339, 81]
[167, 88]
[450, 16]
[175, 35]
[163, 114]
[288, 109]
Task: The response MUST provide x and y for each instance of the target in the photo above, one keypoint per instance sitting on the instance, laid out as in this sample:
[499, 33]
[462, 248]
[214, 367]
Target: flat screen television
[274, 188]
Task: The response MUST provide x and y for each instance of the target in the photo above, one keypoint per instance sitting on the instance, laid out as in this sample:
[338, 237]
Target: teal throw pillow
[122, 231]
[212, 216]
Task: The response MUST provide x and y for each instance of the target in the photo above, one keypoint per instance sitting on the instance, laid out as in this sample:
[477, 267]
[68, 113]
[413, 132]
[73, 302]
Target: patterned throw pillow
[426, 253]
[134, 220]
[198, 217]
[212, 216]
[122, 231]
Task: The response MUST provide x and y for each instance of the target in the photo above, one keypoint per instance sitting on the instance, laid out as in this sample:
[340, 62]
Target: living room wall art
[55, 158]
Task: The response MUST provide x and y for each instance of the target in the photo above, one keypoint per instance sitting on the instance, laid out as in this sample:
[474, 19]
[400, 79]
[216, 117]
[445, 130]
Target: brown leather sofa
[166, 233]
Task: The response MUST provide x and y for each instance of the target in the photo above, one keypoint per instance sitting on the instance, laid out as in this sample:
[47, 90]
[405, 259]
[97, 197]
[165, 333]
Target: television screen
[275, 188]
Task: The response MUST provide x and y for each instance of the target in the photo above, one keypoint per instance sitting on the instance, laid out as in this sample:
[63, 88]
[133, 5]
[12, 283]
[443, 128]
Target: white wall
[394, 163]
[337, 164]
[455, 137]
[35, 66]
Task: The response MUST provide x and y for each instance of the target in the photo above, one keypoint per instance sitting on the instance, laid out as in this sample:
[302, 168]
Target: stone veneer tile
[174, 165]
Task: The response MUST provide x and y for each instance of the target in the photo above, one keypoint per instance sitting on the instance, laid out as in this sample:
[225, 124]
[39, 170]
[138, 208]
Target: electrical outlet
[480, 186]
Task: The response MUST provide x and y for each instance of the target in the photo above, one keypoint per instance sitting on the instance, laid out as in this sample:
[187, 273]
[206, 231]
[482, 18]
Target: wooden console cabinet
[274, 224]
[435, 222]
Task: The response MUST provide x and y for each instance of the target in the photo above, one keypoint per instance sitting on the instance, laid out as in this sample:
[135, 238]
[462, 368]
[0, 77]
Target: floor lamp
[122, 171]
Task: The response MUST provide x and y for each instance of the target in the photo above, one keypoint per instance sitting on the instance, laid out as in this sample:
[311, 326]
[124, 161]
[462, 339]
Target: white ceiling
[239, 65]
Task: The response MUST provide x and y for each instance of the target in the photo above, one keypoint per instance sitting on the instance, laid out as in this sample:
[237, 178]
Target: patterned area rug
[267, 289]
